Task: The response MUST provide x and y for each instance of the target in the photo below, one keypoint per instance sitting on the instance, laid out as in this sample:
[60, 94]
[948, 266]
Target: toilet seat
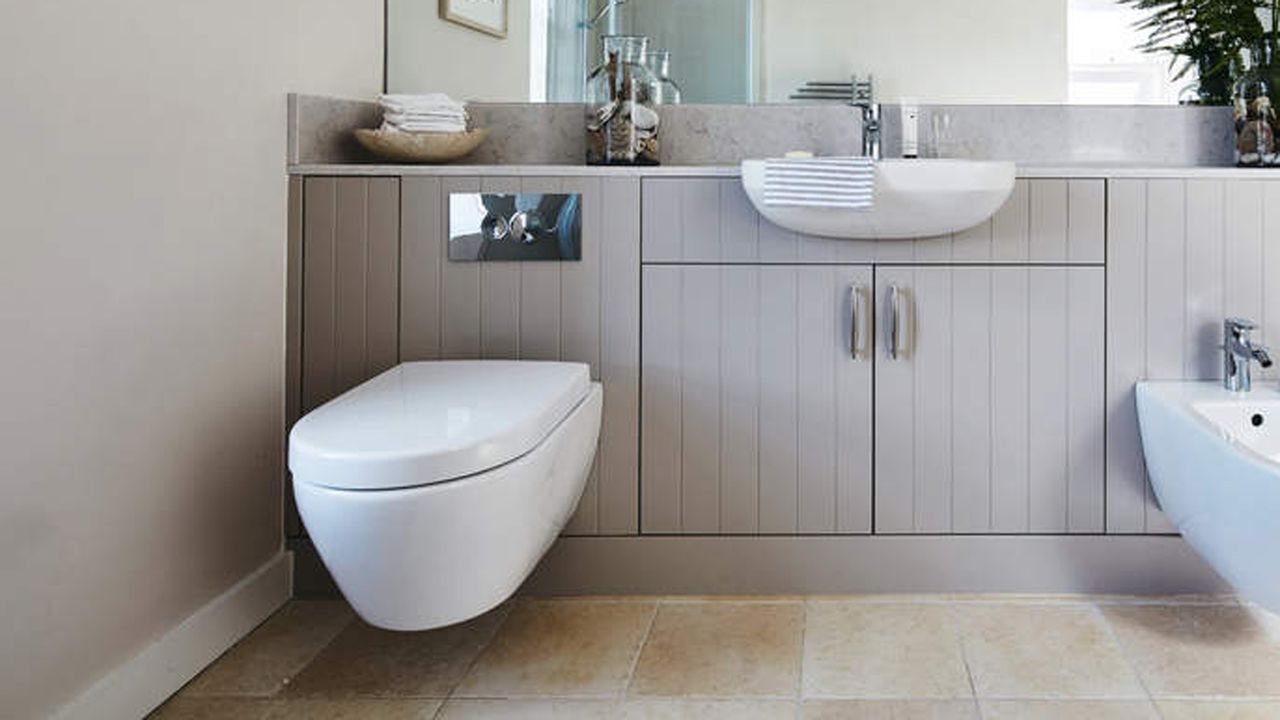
[423, 423]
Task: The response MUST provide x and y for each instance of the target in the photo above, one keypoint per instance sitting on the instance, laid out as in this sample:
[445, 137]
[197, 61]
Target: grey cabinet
[757, 417]
[989, 419]
[756, 412]
[734, 402]
[989, 416]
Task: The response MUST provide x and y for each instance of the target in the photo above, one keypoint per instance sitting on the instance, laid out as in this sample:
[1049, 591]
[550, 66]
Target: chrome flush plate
[507, 227]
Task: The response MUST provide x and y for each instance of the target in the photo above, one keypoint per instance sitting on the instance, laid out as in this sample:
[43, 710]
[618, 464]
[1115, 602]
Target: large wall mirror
[761, 51]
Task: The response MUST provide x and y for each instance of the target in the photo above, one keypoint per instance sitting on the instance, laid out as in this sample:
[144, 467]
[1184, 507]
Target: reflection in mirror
[745, 51]
[709, 45]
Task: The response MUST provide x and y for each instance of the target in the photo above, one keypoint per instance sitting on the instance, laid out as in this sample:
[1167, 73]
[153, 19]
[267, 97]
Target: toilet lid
[428, 422]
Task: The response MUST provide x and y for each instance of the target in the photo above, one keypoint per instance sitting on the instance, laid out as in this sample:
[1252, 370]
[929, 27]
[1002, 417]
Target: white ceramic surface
[913, 199]
[436, 554]
[1214, 461]
[426, 422]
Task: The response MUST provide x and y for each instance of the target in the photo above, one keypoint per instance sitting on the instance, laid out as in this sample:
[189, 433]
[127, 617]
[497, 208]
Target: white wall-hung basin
[913, 198]
[1214, 461]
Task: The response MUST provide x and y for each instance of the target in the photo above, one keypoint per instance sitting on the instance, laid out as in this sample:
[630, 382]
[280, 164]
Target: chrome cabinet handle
[898, 326]
[859, 333]
[892, 324]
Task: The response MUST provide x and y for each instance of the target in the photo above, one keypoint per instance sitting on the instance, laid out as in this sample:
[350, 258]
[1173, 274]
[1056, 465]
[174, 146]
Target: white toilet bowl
[432, 490]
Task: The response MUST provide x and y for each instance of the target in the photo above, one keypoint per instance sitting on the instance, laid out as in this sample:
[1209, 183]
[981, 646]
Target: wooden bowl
[420, 147]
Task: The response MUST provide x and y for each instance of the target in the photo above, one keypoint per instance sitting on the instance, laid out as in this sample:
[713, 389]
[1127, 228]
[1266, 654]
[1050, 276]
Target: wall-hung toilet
[432, 490]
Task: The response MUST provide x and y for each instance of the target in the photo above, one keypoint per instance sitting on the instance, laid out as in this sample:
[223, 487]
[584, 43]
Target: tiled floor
[873, 657]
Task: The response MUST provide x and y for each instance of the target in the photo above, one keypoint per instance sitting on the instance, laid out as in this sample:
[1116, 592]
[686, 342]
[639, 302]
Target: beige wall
[433, 55]
[934, 50]
[142, 226]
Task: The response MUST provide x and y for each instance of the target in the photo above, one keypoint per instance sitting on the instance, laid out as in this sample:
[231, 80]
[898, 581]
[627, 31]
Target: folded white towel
[397, 115]
[428, 101]
[435, 127]
[845, 182]
[433, 112]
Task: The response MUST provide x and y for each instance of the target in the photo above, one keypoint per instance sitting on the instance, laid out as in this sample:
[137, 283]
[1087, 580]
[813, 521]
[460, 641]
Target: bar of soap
[799, 155]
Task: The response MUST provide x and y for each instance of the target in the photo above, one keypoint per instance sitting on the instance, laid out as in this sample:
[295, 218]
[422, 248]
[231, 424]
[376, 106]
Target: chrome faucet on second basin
[1238, 353]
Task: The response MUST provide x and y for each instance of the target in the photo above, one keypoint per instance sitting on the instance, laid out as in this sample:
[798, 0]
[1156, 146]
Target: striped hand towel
[844, 182]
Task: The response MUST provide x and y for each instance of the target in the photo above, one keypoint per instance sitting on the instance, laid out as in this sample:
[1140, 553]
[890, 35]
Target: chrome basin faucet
[858, 93]
[1238, 353]
[864, 97]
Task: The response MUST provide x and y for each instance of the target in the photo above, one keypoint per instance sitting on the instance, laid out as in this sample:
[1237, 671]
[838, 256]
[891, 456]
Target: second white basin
[1214, 461]
[913, 198]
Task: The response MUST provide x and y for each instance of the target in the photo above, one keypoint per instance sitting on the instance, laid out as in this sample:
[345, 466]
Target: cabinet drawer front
[993, 419]
[756, 417]
[710, 220]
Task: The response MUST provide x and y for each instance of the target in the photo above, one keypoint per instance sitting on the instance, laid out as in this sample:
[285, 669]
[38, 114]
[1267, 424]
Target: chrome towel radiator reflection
[525, 227]
[856, 92]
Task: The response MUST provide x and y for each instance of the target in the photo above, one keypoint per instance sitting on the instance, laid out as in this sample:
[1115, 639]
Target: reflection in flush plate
[503, 227]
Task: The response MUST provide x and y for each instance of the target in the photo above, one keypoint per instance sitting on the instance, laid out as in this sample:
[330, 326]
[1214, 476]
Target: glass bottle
[666, 91]
[622, 121]
[1255, 118]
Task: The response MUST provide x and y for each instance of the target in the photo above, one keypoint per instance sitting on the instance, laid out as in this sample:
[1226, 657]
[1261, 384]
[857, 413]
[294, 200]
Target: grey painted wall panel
[343, 283]
[350, 284]
[1087, 221]
[739, 402]
[660, 417]
[854, 399]
[779, 436]
[460, 288]
[1182, 254]
[971, 382]
[382, 275]
[1128, 496]
[817, 433]
[422, 255]
[1049, 467]
[585, 311]
[619, 458]
[350, 302]
[1010, 414]
[699, 345]
[1086, 368]
[319, 226]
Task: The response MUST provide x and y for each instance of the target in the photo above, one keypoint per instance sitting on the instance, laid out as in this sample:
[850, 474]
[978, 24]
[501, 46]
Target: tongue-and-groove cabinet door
[756, 399]
[990, 400]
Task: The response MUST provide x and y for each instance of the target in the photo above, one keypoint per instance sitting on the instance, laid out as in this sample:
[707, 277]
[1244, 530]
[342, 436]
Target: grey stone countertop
[1030, 170]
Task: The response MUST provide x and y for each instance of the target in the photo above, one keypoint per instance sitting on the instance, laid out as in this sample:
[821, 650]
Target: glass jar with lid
[666, 91]
[622, 121]
[1255, 117]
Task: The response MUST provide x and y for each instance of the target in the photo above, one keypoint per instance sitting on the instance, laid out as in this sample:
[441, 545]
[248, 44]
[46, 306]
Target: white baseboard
[146, 680]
